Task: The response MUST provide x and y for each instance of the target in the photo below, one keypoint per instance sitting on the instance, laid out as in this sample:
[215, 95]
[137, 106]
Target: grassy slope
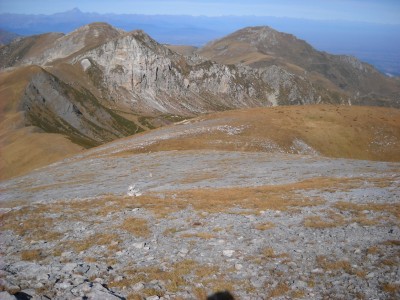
[22, 148]
[368, 133]
[50, 139]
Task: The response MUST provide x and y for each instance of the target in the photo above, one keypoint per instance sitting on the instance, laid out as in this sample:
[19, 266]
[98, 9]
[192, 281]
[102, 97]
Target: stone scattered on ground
[257, 225]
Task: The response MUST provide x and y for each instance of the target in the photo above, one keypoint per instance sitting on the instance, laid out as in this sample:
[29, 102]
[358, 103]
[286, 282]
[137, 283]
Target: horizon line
[76, 9]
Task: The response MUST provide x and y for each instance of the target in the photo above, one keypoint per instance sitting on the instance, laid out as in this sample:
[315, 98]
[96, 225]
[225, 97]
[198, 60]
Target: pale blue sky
[380, 11]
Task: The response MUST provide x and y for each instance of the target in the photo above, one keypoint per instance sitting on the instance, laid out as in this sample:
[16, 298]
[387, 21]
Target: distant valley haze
[368, 30]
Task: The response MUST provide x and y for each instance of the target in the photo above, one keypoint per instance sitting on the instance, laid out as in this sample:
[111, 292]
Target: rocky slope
[53, 106]
[261, 47]
[171, 214]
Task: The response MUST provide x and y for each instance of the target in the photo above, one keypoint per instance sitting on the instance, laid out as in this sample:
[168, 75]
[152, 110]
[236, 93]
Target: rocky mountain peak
[93, 34]
[257, 34]
[262, 36]
[145, 40]
[75, 10]
[101, 27]
[47, 48]
[262, 47]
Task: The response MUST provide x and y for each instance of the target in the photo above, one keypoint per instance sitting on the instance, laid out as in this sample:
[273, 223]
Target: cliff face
[152, 79]
[56, 107]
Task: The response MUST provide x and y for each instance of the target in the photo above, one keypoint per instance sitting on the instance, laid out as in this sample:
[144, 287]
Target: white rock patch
[85, 63]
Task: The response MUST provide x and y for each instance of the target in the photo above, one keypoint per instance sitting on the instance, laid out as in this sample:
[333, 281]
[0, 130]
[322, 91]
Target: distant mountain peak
[75, 10]
[261, 34]
[98, 31]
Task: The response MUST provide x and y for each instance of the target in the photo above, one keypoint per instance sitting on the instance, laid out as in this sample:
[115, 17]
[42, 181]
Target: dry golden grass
[153, 292]
[391, 288]
[332, 220]
[217, 229]
[264, 226]
[134, 297]
[297, 294]
[330, 265]
[179, 277]
[176, 277]
[171, 231]
[280, 290]
[200, 293]
[330, 130]
[392, 243]
[31, 223]
[269, 253]
[358, 215]
[30, 150]
[95, 240]
[200, 235]
[196, 177]
[389, 208]
[360, 273]
[26, 223]
[91, 260]
[136, 226]
[255, 199]
[389, 262]
[373, 250]
[30, 255]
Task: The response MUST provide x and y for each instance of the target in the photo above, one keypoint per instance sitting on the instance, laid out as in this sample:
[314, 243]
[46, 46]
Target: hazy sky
[381, 11]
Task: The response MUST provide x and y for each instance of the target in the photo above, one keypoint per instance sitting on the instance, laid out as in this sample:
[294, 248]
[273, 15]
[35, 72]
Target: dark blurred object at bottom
[221, 296]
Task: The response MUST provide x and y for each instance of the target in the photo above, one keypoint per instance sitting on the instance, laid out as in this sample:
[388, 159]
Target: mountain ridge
[374, 43]
[99, 83]
[263, 46]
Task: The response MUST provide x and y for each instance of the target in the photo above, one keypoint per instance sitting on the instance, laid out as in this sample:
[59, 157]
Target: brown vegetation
[136, 226]
[329, 130]
[31, 255]
[334, 265]
[264, 226]
[280, 290]
[201, 235]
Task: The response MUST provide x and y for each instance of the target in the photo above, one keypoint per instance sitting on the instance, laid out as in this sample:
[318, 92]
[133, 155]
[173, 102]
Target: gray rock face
[54, 106]
[138, 71]
[45, 49]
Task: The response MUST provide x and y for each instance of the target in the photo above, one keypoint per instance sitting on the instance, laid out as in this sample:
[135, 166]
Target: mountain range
[98, 83]
[377, 44]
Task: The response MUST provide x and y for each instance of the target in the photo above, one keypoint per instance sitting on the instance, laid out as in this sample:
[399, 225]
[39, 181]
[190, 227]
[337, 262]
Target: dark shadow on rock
[221, 296]
[22, 296]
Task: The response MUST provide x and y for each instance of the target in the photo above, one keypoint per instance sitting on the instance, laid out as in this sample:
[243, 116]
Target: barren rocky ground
[121, 221]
